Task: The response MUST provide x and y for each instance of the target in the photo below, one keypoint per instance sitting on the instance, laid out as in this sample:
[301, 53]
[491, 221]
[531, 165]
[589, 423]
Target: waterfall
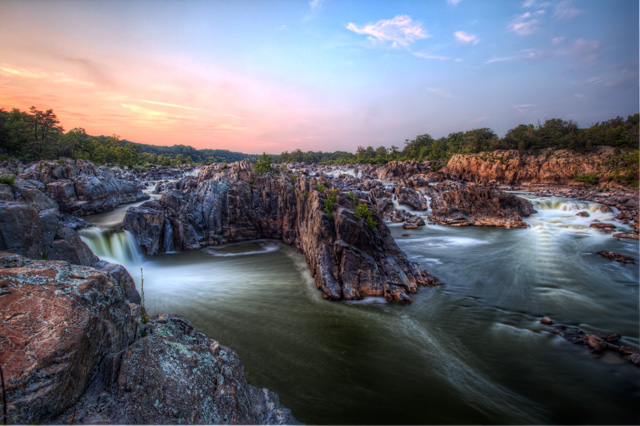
[168, 237]
[118, 247]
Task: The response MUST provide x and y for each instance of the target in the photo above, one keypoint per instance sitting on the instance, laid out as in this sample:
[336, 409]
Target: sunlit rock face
[74, 350]
[348, 258]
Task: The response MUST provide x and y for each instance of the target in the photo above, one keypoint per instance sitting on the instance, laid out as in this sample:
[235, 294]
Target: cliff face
[348, 258]
[558, 167]
[73, 350]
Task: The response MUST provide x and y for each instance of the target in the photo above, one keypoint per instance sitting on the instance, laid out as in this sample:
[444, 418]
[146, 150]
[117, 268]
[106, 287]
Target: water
[469, 351]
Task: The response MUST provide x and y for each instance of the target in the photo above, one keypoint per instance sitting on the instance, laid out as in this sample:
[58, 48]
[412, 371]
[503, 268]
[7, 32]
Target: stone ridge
[73, 350]
[347, 259]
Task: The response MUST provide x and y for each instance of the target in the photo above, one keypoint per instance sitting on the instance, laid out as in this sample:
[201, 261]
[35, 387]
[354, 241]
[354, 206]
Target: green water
[470, 351]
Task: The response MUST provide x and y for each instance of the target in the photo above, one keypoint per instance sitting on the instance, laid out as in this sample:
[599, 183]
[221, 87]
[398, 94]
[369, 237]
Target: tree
[263, 165]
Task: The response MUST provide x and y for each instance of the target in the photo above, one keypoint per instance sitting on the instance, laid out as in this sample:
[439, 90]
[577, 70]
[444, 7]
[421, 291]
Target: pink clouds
[463, 37]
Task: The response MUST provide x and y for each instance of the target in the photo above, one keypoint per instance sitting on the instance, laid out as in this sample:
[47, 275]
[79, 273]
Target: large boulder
[74, 350]
[58, 323]
[480, 206]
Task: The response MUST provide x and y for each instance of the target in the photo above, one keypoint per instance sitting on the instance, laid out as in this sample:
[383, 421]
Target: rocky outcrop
[549, 166]
[618, 257]
[598, 344]
[73, 350]
[479, 206]
[36, 230]
[81, 188]
[349, 258]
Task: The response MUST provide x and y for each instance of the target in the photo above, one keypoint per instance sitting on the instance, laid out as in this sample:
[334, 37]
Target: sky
[324, 75]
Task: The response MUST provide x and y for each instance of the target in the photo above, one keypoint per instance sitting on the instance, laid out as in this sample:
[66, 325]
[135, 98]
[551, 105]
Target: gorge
[226, 249]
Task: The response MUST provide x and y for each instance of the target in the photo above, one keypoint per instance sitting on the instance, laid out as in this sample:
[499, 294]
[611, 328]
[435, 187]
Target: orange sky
[273, 76]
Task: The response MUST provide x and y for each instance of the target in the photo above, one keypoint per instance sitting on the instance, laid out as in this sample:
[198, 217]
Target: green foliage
[8, 180]
[590, 178]
[305, 195]
[45, 256]
[329, 205]
[353, 197]
[363, 212]
[263, 165]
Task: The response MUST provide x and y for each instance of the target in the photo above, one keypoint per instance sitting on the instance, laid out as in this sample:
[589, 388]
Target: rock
[479, 206]
[549, 166]
[408, 225]
[59, 322]
[206, 384]
[348, 257]
[81, 188]
[626, 235]
[635, 359]
[618, 257]
[20, 229]
[546, 321]
[73, 350]
[68, 246]
[603, 227]
[414, 220]
[582, 214]
[146, 223]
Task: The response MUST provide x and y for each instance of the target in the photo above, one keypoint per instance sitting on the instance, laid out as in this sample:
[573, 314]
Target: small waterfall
[117, 247]
[168, 237]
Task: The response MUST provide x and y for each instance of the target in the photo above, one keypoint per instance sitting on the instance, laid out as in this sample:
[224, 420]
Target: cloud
[526, 55]
[36, 74]
[454, 2]
[522, 108]
[531, 3]
[169, 105]
[466, 38]
[588, 51]
[440, 92]
[440, 58]
[564, 10]
[527, 23]
[314, 6]
[400, 31]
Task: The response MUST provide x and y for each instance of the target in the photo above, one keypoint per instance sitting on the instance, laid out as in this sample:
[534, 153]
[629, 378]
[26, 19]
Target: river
[470, 351]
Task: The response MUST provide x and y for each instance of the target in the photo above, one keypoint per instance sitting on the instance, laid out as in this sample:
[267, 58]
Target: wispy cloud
[439, 58]
[527, 4]
[400, 31]
[466, 38]
[315, 4]
[36, 74]
[440, 92]
[525, 55]
[522, 108]
[586, 50]
[564, 10]
[168, 105]
[527, 23]
[314, 8]
[454, 2]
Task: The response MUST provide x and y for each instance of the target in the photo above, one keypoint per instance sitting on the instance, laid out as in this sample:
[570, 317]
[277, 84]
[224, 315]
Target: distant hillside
[197, 155]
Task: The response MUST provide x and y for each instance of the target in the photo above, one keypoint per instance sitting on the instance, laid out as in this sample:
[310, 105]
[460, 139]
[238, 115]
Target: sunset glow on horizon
[321, 75]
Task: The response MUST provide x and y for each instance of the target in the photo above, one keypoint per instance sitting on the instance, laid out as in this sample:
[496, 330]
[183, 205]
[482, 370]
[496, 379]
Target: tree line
[554, 133]
[37, 135]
